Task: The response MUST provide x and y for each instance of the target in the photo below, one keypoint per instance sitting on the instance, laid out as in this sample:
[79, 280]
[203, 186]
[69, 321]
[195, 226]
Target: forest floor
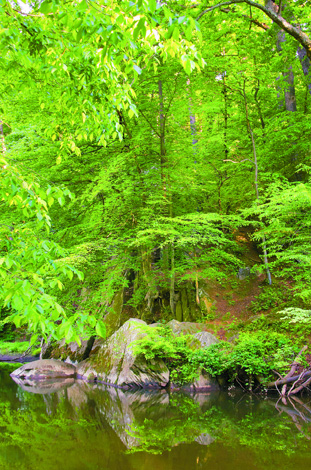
[238, 301]
[233, 306]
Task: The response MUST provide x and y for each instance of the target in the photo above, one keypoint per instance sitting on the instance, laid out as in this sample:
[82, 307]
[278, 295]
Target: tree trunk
[162, 140]
[164, 181]
[193, 128]
[163, 168]
[256, 182]
[225, 118]
[288, 77]
[305, 64]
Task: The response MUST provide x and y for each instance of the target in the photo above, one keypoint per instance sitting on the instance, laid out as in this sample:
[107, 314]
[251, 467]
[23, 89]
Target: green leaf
[39, 308]
[152, 5]
[101, 329]
[82, 6]
[140, 27]
[33, 339]
[46, 7]
[175, 34]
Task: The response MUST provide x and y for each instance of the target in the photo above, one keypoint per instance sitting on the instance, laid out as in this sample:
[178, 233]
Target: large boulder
[205, 382]
[186, 327]
[200, 337]
[45, 369]
[116, 363]
[204, 339]
[96, 346]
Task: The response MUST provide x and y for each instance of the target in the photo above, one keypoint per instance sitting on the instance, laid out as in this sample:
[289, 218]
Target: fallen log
[288, 380]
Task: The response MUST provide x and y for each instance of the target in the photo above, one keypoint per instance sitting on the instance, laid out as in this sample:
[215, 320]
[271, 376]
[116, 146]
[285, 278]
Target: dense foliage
[137, 138]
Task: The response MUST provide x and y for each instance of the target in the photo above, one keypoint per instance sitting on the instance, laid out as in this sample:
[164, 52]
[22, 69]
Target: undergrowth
[16, 347]
[253, 354]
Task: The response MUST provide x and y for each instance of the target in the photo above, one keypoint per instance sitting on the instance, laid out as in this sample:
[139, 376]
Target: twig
[301, 376]
[298, 389]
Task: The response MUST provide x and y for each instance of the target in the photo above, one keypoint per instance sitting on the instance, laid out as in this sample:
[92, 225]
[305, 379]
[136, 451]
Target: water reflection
[76, 425]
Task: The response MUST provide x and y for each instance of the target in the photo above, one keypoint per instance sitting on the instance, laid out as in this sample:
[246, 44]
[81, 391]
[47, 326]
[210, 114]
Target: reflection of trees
[298, 411]
[252, 425]
[91, 424]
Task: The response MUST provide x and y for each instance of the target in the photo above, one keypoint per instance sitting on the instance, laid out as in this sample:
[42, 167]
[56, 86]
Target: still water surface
[74, 425]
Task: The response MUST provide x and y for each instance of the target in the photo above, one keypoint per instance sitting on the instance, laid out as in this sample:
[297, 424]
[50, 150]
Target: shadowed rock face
[117, 364]
[45, 369]
[70, 352]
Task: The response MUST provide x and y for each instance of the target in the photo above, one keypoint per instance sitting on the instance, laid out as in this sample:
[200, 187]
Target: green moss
[101, 362]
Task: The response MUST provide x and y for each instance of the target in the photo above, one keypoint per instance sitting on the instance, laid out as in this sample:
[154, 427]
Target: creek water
[73, 425]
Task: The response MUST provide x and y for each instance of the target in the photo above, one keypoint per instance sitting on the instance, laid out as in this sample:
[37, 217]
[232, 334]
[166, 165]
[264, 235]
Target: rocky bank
[116, 362]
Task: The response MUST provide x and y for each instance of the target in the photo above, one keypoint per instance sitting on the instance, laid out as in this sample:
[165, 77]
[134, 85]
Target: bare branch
[294, 31]
[219, 5]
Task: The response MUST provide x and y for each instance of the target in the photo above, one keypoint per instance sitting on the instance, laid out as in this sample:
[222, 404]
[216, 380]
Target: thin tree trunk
[288, 77]
[172, 251]
[256, 182]
[197, 297]
[225, 118]
[163, 168]
[172, 285]
[305, 64]
[164, 181]
[152, 292]
[162, 139]
[193, 128]
[260, 112]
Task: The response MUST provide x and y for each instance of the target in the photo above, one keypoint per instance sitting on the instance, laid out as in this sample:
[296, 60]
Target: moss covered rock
[117, 364]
